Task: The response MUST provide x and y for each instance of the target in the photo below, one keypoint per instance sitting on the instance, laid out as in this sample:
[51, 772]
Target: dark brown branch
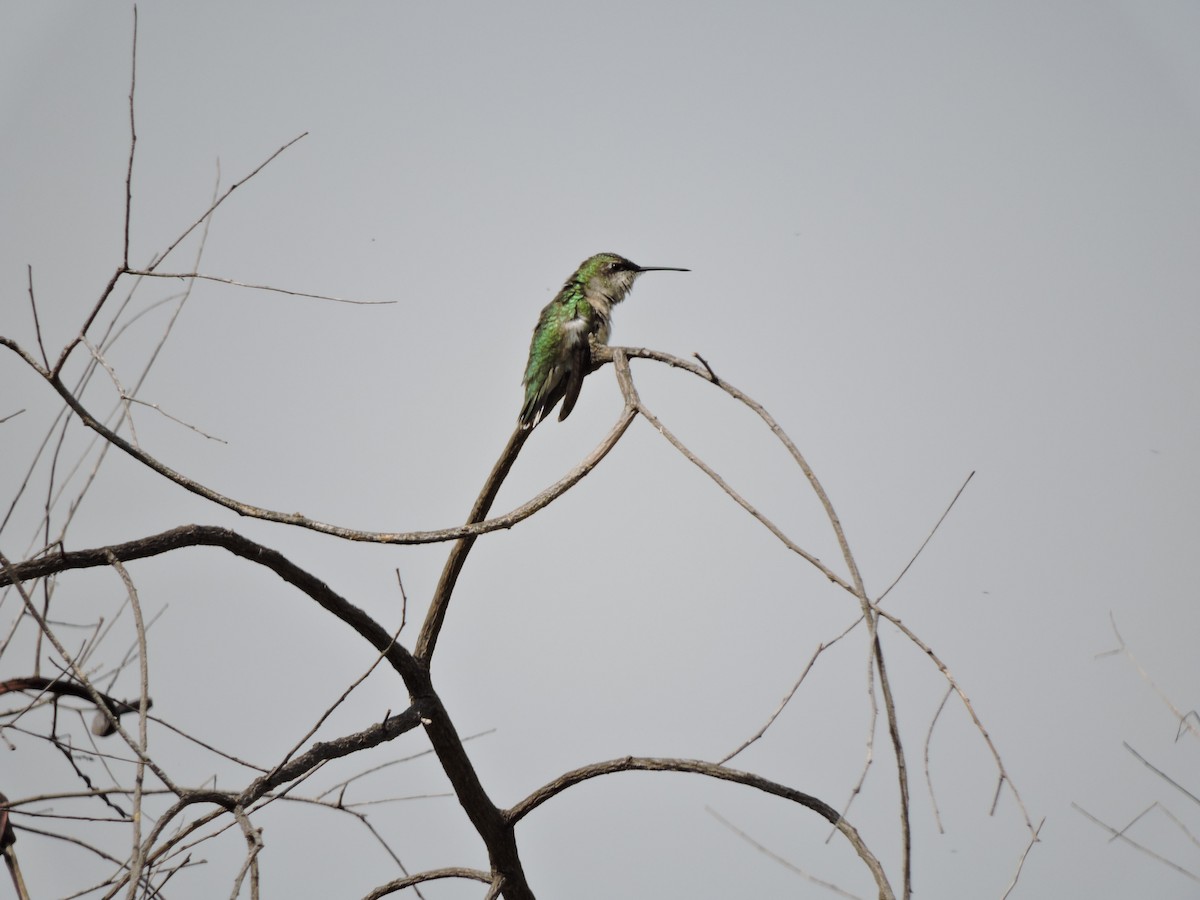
[8, 838]
[496, 833]
[432, 626]
[710, 770]
[433, 874]
[66, 688]
[211, 536]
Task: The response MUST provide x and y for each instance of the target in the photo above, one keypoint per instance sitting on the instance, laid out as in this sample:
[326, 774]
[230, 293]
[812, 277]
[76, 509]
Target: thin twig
[508, 520]
[1161, 774]
[937, 815]
[258, 287]
[37, 325]
[1187, 721]
[787, 864]
[380, 657]
[137, 861]
[132, 141]
[966, 702]
[739, 499]
[821, 648]
[403, 602]
[125, 267]
[1033, 839]
[10, 575]
[125, 398]
[213, 207]
[1135, 845]
[111, 336]
[254, 844]
[712, 376]
[929, 537]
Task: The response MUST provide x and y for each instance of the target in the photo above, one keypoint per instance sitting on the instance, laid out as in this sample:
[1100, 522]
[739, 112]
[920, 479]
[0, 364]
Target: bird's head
[608, 277]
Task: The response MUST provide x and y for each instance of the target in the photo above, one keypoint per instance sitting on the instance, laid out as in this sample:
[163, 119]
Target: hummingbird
[560, 354]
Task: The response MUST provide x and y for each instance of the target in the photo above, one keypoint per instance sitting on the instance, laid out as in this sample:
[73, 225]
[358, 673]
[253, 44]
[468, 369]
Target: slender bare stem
[966, 702]
[147, 273]
[132, 141]
[928, 538]
[138, 860]
[1033, 839]
[37, 325]
[1124, 838]
[787, 864]
[821, 648]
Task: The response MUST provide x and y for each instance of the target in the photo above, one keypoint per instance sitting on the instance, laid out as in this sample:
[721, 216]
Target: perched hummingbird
[560, 354]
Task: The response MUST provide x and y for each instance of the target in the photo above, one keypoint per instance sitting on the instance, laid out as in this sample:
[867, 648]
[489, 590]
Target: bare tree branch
[147, 273]
[870, 614]
[508, 520]
[787, 864]
[1161, 774]
[710, 770]
[37, 325]
[966, 702]
[66, 689]
[132, 147]
[929, 537]
[432, 875]
[1124, 838]
[821, 648]
[1187, 721]
[436, 615]
[1033, 839]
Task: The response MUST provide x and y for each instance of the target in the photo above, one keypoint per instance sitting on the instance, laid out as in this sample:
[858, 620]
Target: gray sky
[931, 239]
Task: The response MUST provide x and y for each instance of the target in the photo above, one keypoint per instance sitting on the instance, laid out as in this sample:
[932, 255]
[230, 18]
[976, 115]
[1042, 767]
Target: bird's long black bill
[661, 269]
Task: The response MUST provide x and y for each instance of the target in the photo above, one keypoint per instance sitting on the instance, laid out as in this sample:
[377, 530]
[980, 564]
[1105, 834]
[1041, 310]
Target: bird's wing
[579, 366]
[562, 329]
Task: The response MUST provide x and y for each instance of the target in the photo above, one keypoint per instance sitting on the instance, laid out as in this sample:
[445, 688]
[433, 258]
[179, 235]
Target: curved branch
[508, 520]
[452, 872]
[870, 614]
[710, 770]
[212, 536]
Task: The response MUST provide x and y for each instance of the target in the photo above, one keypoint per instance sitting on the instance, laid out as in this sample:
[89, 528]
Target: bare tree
[117, 782]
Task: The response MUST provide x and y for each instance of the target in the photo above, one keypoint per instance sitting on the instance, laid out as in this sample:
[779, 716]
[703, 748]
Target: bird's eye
[613, 266]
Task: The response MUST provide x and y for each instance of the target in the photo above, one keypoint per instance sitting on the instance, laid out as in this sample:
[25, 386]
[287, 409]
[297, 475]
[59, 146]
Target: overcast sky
[932, 239]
